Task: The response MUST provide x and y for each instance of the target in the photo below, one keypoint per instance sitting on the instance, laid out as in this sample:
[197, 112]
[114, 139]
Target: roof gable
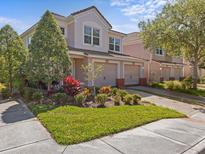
[90, 8]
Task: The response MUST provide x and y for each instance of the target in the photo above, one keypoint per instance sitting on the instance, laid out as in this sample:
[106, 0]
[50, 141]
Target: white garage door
[108, 75]
[131, 74]
[177, 72]
[166, 73]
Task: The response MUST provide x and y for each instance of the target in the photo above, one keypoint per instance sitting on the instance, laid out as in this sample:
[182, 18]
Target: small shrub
[37, 96]
[60, 98]
[136, 98]
[71, 86]
[80, 98]
[187, 82]
[128, 99]
[101, 98]
[28, 92]
[116, 99]
[5, 93]
[114, 91]
[122, 93]
[169, 85]
[2, 86]
[157, 85]
[86, 92]
[105, 90]
[202, 80]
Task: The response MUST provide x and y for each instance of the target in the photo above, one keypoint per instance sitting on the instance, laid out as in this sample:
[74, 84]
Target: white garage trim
[130, 63]
[130, 70]
[109, 62]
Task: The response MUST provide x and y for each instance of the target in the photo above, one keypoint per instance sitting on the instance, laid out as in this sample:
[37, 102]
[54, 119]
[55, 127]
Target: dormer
[91, 30]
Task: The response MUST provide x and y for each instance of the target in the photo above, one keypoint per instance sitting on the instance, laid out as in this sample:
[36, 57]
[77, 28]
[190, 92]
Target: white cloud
[133, 10]
[18, 25]
[120, 2]
[138, 10]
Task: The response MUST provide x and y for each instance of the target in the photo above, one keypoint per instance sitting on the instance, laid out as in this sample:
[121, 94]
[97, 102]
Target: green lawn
[70, 125]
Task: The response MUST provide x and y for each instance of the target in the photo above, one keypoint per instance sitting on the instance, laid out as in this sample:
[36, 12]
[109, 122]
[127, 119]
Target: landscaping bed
[179, 86]
[70, 124]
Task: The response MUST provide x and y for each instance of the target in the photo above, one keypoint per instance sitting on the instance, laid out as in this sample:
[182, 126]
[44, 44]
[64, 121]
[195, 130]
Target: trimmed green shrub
[80, 98]
[101, 98]
[60, 98]
[187, 82]
[37, 96]
[202, 80]
[2, 86]
[5, 93]
[28, 92]
[136, 98]
[128, 99]
[114, 91]
[116, 99]
[122, 93]
[157, 85]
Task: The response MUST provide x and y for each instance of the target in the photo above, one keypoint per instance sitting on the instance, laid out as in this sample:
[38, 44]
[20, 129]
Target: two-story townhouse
[158, 66]
[91, 39]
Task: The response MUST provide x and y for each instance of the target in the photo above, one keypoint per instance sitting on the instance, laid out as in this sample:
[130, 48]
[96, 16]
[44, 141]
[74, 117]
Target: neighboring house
[91, 40]
[158, 66]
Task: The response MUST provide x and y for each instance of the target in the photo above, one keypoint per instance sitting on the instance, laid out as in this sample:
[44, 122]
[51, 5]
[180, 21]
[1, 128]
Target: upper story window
[91, 36]
[62, 30]
[114, 44]
[29, 40]
[159, 51]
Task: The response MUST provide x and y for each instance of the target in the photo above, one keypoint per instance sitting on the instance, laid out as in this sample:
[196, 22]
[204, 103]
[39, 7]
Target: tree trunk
[195, 75]
[49, 89]
[10, 83]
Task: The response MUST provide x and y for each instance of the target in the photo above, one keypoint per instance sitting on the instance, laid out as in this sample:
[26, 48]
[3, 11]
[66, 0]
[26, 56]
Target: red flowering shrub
[71, 86]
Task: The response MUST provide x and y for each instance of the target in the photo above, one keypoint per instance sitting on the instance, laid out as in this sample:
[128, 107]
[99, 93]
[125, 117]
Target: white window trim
[91, 36]
[114, 44]
[158, 54]
[64, 30]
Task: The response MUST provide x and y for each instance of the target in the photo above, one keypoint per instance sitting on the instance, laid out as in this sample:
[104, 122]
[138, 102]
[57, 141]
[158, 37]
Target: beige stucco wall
[71, 34]
[90, 18]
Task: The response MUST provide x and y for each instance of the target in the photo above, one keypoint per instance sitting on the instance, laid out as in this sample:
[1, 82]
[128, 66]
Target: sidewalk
[22, 133]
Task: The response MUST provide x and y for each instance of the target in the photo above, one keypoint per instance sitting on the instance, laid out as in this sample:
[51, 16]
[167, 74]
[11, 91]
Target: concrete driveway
[22, 133]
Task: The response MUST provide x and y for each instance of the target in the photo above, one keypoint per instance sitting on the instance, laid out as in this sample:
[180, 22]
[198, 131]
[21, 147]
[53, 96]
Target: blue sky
[124, 15]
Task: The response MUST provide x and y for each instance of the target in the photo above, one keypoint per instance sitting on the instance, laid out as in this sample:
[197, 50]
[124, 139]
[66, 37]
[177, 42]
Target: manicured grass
[70, 125]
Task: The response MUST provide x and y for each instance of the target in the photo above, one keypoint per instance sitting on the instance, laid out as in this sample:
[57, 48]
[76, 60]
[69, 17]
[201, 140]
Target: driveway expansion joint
[24, 145]
[111, 146]
[166, 137]
[192, 147]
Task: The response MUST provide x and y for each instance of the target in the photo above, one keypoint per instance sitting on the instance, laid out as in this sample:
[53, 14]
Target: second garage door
[108, 76]
[131, 74]
[166, 73]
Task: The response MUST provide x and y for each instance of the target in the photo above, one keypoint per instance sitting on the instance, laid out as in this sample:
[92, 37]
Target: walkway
[21, 133]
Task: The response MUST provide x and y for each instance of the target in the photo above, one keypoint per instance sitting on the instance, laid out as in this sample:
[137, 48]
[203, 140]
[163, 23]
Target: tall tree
[49, 60]
[12, 55]
[180, 30]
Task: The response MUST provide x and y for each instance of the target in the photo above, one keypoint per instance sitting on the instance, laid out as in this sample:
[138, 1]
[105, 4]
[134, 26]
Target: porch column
[172, 75]
[142, 79]
[90, 61]
[120, 81]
